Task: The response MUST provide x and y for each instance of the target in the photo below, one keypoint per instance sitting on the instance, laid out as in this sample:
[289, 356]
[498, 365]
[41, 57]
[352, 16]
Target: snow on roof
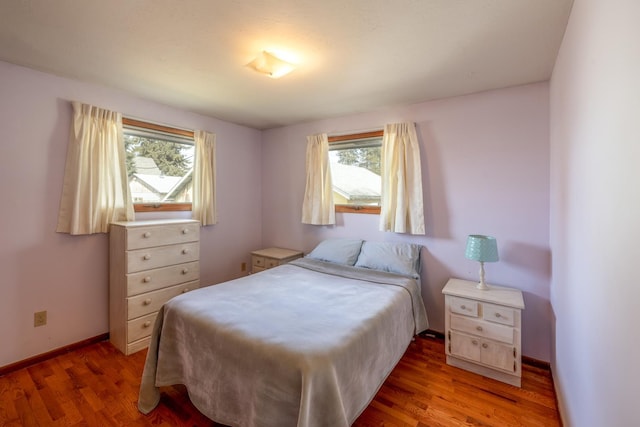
[355, 182]
[161, 183]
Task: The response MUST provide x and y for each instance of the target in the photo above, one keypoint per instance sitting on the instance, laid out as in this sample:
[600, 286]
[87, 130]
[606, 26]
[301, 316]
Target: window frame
[360, 209]
[159, 207]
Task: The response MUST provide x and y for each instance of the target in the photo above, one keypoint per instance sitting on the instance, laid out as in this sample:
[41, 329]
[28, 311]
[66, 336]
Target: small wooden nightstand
[272, 257]
[483, 329]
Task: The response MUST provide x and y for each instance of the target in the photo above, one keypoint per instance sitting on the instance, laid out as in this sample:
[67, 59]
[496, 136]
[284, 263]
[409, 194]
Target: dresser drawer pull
[185, 251]
[464, 307]
[147, 257]
[146, 235]
[147, 279]
[485, 345]
[498, 315]
[479, 328]
[474, 342]
[185, 270]
[146, 302]
[185, 231]
[146, 324]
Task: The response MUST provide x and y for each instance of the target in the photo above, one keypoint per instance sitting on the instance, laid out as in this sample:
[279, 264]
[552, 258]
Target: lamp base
[482, 285]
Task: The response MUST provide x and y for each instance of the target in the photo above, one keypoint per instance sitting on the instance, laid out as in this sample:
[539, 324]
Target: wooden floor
[98, 386]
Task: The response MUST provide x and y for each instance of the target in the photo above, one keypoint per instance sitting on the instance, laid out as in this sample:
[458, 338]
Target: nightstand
[483, 329]
[272, 257]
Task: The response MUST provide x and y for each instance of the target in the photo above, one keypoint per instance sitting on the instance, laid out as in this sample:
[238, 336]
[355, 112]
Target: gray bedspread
[304, 344]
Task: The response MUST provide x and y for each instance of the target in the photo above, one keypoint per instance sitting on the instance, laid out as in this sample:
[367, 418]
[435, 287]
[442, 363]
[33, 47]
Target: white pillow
[399, 258]
[339, 251]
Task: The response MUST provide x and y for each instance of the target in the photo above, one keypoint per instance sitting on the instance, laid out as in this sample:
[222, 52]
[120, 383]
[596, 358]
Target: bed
[305, 344]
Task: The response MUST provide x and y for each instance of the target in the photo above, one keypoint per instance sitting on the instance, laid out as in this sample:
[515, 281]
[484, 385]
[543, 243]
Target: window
[159, 166]
[355, 162]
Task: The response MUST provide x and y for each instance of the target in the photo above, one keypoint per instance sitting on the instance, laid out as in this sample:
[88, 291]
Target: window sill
[161, 207]
[375, 210]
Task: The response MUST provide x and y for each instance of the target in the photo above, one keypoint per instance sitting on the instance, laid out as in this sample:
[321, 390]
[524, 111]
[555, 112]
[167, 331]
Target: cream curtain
[204, 179]
[95, 191]
[317, 207]
[401, 208]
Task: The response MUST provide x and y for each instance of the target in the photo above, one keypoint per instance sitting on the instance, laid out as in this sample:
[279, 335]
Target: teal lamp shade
[482, 249]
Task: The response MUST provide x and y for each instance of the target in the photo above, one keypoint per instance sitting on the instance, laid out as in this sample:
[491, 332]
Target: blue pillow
[399, 258]
[339, 251]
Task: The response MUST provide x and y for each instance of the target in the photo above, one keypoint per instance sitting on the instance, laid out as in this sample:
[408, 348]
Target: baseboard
[432, 334]
[536, 363]
[4, 370]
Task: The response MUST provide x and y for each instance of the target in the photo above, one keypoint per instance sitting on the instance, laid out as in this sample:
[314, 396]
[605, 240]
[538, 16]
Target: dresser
[272, 257]
[150, 262]
[483, 329]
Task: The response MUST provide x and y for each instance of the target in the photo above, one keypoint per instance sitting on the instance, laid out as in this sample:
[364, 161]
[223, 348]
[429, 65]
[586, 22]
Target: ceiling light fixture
[270, 65]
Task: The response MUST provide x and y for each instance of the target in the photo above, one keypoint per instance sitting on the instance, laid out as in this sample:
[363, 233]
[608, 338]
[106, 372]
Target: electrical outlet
[243, 266]
[40, 318]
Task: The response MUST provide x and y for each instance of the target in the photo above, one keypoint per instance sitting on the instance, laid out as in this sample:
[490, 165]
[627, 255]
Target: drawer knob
[185, 231]
[185, 290]
[147, 279]
[464, 307]
[484, 345]
[147, 257]
[146, 235]
[497, 314]
[147, 301]
[146, 324]
[474, 342]
[185, 270]
[479, 328]
[185, 251]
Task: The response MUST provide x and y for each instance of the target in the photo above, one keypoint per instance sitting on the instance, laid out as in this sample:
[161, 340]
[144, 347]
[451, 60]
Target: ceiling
[353, 55]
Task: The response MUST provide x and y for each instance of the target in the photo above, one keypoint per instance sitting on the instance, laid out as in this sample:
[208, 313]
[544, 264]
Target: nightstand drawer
[463, 306]
[482, 329]
[499, 314]
[258, 261]
[147, 237]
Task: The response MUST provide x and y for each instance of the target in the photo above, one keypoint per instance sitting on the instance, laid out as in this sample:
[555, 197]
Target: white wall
[68, 275]
[595, 214]
[485, 161]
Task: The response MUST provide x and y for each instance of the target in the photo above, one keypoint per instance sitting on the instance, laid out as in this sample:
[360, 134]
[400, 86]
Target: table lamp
[483, 249]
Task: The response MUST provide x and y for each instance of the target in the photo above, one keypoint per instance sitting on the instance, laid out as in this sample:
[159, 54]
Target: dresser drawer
[150, 236]
[135, 346]
[499, 314]
[150, 302]
[141, 327]
[466, 307]
[150, 280]
[482, 329]
[146, 259]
